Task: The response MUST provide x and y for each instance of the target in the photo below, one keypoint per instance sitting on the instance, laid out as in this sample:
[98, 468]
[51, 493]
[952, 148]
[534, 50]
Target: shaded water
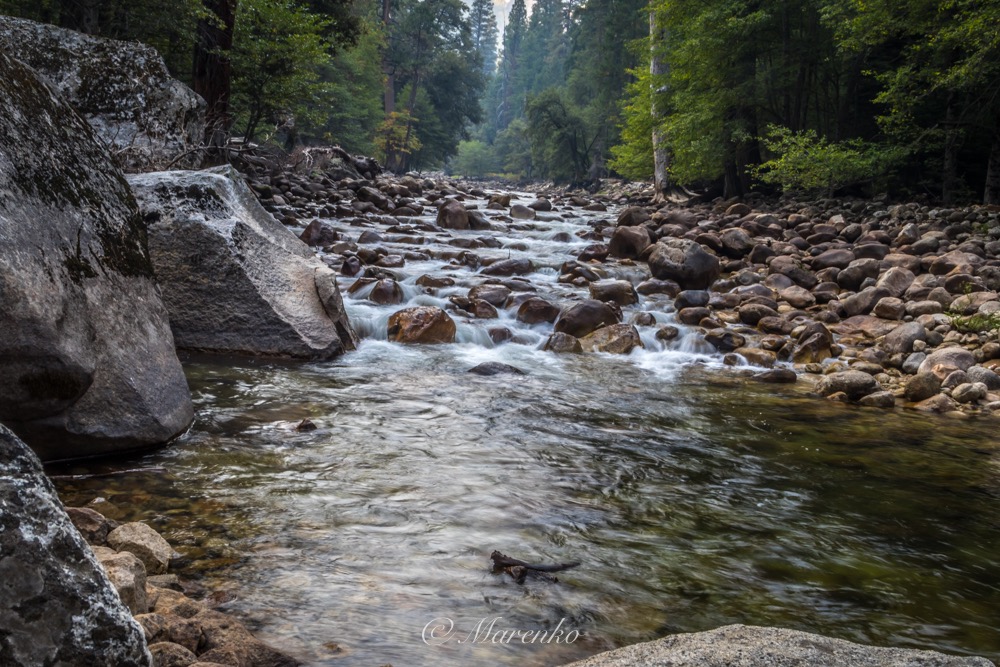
[692, 497]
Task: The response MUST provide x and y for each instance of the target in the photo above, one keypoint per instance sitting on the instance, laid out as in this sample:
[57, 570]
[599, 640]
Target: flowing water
[691, 496]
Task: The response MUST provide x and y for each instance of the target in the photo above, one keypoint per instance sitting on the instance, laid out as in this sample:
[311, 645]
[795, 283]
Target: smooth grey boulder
[123, 89]
[86, 354]
[748, 646]
[234, 279]
[57, 606]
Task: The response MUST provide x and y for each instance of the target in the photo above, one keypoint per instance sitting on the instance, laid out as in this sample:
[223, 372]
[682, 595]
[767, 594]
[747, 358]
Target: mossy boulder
[123, 89]
[86, 354]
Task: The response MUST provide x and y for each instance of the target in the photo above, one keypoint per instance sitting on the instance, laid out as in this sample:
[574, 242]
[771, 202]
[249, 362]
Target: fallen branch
[519, 569]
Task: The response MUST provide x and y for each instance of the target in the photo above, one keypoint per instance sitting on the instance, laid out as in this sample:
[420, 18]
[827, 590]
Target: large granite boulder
[747, 646]
[123, 89]
[86, 355]
[57, 606]
[234, 279]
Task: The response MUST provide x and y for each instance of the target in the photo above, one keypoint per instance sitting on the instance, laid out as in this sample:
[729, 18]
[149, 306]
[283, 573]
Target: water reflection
[693, 501]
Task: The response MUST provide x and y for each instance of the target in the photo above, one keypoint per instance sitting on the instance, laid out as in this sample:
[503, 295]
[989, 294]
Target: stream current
[692, 497]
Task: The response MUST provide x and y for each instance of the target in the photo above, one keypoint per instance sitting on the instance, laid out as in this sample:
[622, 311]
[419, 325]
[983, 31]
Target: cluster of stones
[878, 304]
[180, 631]
[875, 300]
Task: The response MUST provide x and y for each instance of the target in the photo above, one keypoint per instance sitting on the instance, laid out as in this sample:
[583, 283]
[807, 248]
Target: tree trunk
[212, 76]
[657, 69]
[949, 168]
[991, 194]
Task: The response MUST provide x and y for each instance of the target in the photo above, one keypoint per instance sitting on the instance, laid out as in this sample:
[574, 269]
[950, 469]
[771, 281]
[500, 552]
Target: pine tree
[484, 33]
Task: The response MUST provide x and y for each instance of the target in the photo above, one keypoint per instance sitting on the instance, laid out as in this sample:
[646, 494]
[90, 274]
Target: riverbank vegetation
[811, 96]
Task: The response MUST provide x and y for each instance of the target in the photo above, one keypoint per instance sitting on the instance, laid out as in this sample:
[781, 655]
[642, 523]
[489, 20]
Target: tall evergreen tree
[513, 35]
[484, 33]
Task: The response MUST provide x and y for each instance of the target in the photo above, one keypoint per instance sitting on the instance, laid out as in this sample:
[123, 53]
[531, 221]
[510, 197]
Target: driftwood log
[519, 569]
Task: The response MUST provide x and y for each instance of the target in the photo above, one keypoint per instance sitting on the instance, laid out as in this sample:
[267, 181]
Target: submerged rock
[233, 278]
[86, 353]
[123, 89]
[747, 646]
[57, 606]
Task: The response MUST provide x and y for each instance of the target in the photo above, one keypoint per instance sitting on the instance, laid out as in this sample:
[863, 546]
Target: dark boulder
[585, 317]
[684, 262]
[57, 606]
[86, 353]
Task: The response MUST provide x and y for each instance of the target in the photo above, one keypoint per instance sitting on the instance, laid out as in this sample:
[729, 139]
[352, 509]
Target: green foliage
[806, 162]
[484, 33]
[395, 136]
[278, 51]
[978, 323]
[352, 103]
[558, 135]
[474, 159]
[633, 157]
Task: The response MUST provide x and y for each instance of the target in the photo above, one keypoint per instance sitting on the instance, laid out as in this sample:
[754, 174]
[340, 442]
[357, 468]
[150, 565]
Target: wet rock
[814, 346]
[880, 399]
[57, 606]
[541, 204]
[509, 267]
[122, 89]
[86, 353]
[922, 386]
[436, 281]
[536, 310]
[141, 540]
[563, 343]
[386, 292]
[617, 291]
[684, 262]
[756, 356]
[234, 279]
[613, 339]
[752, 313]
[585, 317]
[667, 333]
[228, 642]
[423, 324]
[93, 525]
[319, 233]
[725, 341]
[854, 384]
[493, 294]
[522, 212]
[912, 363]
[693, 316]
[938, 403]
[452, 215]
[629, 242]
[692, 299]
[792, 269]
[490, 368]
[597, 252]
[654, 286]
[777, 376]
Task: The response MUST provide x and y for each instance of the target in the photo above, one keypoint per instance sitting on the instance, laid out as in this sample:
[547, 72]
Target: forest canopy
[810, 96]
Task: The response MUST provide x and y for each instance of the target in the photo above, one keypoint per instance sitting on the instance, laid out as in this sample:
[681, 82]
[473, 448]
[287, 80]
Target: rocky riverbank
[863, 301]
[180, 631]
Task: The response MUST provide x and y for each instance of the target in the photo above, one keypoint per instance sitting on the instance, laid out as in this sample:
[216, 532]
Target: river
[692, 496]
